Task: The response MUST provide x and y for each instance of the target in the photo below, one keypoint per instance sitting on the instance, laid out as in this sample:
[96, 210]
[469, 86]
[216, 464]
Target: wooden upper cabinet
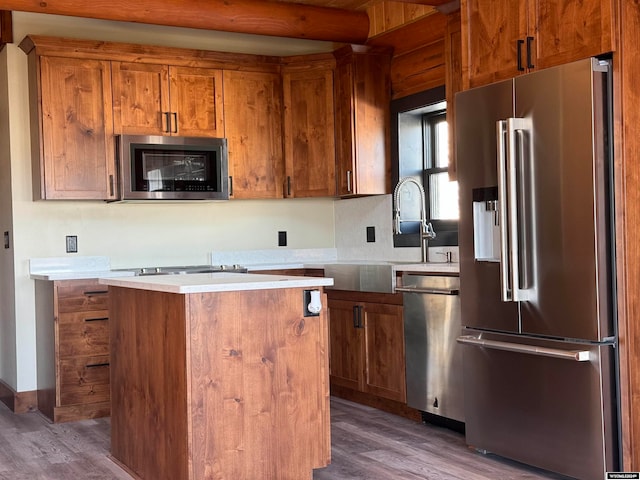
[309, 131]
[253, 126]
[453, 81]
[72, 128]
[196, 102]
[141, 98]
[363, 95]
[154, 99]
[514, 37]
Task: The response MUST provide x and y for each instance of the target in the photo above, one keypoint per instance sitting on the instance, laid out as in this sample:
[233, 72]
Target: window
[441, 194]
[420, 147]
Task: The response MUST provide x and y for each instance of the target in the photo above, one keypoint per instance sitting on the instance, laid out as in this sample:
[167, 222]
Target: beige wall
[130, 234]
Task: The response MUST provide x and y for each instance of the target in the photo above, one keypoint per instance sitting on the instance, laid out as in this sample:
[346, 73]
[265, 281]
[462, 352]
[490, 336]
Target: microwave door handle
[503, 208]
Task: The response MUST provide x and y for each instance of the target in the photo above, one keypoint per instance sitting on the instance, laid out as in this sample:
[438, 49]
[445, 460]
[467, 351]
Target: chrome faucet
[426, 229]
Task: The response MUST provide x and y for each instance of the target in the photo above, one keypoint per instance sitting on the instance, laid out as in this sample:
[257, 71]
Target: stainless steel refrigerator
[537, 269]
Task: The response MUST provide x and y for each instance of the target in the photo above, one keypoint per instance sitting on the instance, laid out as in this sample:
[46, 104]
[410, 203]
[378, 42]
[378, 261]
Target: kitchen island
[218, 376]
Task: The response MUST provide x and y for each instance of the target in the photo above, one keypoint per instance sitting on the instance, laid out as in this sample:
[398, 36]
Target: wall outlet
[72, 244]
[282, 239]
[371, 234]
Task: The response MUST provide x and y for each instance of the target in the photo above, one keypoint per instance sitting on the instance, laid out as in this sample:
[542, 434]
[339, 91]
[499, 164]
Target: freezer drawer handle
[574, 355]
[430, 291]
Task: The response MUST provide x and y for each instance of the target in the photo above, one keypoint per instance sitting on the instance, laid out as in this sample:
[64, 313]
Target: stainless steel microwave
[172, 168]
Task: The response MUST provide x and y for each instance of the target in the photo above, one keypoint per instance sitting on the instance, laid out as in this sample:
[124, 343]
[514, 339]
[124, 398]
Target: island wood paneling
[149, 397]
[230, 385]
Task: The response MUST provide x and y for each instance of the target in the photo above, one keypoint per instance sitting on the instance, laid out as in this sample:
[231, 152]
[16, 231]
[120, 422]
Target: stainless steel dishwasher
[433, 357]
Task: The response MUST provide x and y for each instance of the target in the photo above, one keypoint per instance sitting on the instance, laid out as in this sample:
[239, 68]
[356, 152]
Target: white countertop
[215, 282]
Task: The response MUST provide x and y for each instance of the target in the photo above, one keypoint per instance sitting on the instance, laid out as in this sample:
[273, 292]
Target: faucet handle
[429, 232]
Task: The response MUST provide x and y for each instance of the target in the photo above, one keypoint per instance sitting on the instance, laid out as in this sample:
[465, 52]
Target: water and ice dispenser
[486, 226]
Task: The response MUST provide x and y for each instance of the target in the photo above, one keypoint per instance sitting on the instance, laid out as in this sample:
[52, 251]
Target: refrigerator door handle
[517, 220]
[503, 219]
[573, 355]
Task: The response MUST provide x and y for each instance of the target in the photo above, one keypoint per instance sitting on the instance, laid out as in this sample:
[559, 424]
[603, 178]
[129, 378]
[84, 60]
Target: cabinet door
[571, 30]
[363, 95]
[196, 102]
[253, 125]
[384, 351]
[346, 346]
[77, 146]
[309, 133]
[490, 39]
[141, 98]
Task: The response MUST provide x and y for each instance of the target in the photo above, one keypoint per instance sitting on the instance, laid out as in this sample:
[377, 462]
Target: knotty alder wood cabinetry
[152, 99]
[309, 129]
[253, 126]
[72, 127]
[72, 335]
[546, 32]
[224, 385]
[366, 333]
[363, 95]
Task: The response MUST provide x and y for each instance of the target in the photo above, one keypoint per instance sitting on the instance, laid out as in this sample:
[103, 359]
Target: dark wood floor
[366, 444]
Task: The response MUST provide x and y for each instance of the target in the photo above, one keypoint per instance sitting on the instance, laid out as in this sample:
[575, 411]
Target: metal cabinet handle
[529, 53]
[175, 122]
[574, 355]
[95, 292]
[349, 181]
[94, 365]
[519, 45]
[430, 291]
[111, 186]
[357, 316]
[230, 185]
[100, 319]
[288, 186]
[167, 122]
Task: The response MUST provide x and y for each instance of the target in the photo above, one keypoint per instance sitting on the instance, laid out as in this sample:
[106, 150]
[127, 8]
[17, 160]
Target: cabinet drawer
[82, 296]
[82, 394]
[83, 335]
[79, 371]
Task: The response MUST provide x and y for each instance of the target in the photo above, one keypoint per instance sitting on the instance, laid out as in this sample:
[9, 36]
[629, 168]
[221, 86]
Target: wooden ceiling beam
[260, 17]
[6, 28]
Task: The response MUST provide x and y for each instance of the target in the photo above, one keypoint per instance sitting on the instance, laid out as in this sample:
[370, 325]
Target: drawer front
[76, 296]
[82, 394]
[78, 335]
[84, 380]
[80, 371]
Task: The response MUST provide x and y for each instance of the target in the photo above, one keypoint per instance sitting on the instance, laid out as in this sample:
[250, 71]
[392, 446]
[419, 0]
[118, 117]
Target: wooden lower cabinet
[72, 334]
[366, 341]
[218, 385]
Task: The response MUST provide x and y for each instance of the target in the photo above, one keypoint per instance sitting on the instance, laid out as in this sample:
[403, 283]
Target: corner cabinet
[366, 338]
[72, 337]
[514, 37]
[363, 96]
[153, 99]
[72, 127]
[253, 126]
[309, 128]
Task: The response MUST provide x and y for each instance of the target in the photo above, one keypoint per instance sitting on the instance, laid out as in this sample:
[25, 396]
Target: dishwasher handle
[429, 291]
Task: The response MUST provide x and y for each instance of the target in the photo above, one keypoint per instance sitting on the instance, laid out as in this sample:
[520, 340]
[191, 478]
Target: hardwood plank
[366, 444]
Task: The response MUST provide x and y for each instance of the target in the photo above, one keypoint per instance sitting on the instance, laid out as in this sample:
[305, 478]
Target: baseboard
[390, 406]
[18, 402]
